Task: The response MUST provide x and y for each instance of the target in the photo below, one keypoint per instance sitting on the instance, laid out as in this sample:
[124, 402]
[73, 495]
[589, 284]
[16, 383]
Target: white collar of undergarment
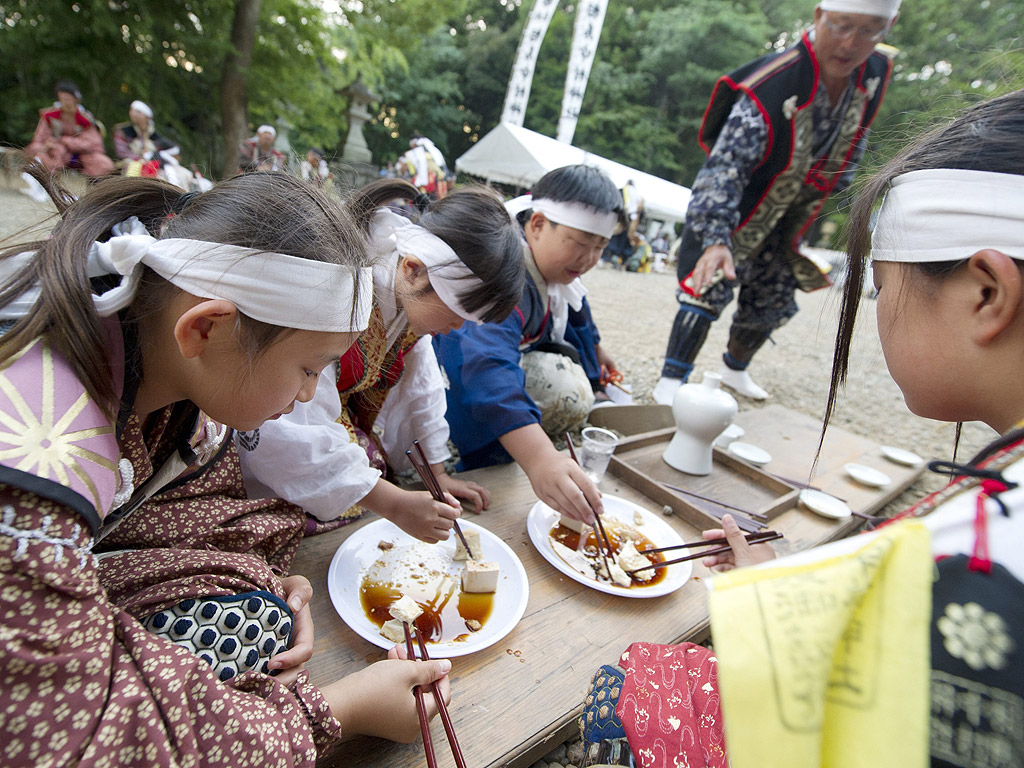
[560, 297]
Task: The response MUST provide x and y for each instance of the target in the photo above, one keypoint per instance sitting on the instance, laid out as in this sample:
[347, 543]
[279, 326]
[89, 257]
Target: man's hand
[717, 257]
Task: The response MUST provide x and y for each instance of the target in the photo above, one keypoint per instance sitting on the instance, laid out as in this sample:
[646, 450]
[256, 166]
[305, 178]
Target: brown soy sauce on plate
[445, 611]
[588, 546]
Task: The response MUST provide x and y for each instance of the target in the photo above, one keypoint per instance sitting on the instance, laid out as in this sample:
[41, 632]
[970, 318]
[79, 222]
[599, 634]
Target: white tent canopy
[510, 154]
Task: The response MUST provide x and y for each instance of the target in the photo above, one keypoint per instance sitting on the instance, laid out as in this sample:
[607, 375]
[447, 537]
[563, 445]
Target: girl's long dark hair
[266, 211]
[473, 221]
[986, 137]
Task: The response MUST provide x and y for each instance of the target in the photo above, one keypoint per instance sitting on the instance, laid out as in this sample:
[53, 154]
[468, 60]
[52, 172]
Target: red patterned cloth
[670, 707]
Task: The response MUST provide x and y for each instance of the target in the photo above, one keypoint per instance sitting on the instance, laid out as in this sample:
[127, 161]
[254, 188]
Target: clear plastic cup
[596, 451]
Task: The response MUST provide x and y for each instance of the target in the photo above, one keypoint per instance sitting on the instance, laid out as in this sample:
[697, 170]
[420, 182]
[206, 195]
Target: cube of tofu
[473, 539]
[405, 609]
[572, 523]
[393, 631]
[480, 576]
[630, 560]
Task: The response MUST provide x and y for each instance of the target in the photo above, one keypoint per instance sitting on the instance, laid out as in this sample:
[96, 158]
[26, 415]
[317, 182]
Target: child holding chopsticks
[459, 261]
[948, 264]
[147, 325]
[492, 401]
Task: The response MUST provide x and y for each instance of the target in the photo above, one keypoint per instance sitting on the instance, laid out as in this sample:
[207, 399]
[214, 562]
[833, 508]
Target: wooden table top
[515, 701]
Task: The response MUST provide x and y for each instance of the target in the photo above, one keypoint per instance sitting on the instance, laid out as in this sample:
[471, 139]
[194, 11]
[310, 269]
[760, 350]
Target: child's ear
[413, 273]
[202, 323]
[536, 222]
[997, 284]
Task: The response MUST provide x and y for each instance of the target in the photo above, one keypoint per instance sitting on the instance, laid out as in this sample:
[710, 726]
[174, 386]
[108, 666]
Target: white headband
[267, 129]
[948, 215]
[271, 287]
[572, 214]
[143, 107]
[448, 276]
[578, 216]
[886, 9]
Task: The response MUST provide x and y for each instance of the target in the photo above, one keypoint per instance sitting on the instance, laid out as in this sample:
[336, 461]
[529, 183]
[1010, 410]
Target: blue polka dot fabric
[233, 634]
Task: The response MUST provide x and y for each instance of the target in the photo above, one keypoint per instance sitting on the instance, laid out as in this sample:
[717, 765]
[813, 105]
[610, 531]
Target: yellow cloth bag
[824, 657]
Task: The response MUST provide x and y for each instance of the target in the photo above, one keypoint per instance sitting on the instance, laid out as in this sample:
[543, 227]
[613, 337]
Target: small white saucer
[867, 475]
[824, 504]
[756, 456]
[901, 456]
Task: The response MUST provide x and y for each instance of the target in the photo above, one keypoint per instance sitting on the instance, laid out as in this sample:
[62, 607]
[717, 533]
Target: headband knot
[448, 275]
[273, 288]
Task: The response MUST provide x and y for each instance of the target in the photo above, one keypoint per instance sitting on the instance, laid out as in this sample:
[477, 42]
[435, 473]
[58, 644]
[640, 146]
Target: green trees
[440, 67]
[179, 57]
[951, 53]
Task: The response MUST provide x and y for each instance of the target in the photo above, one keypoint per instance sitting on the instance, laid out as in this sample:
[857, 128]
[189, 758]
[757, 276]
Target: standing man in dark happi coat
[782, 133]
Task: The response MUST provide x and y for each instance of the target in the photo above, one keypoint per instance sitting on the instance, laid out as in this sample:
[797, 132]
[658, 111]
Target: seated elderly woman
[259, 152]
[68, 136]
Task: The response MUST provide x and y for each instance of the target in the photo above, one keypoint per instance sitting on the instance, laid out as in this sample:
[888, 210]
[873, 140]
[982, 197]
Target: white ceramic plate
[748, 452]
[867, 475]
[824, 504]
[901, 456]
[359, 553]
[542, 519]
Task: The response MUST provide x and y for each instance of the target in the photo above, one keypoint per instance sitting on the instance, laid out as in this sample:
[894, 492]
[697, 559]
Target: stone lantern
[355, 153]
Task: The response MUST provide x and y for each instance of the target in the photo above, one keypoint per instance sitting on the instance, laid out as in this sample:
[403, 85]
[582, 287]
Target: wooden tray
[638, 462]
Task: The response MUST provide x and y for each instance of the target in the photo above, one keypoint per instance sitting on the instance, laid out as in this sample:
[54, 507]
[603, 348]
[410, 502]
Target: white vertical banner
[586, 33]
[526, 59]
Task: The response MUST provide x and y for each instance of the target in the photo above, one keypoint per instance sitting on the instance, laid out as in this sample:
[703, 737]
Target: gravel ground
[634, 313]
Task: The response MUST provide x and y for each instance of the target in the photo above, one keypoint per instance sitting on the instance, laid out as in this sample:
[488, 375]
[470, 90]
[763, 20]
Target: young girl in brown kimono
[149, 323]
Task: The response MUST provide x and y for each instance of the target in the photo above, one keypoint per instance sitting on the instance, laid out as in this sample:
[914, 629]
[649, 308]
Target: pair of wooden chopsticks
[602, 536]
[449, 729]
[753, 538]
[430, 480]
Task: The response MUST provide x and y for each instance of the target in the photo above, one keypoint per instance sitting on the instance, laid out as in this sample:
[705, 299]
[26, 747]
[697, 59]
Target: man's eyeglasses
[845, 30]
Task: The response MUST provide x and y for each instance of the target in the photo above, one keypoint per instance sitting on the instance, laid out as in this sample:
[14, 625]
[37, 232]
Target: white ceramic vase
[702, 412]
